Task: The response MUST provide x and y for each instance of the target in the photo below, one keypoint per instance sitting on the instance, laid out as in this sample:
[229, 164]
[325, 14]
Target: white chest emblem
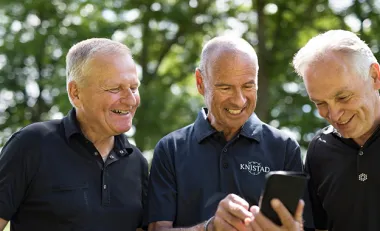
[255, 168]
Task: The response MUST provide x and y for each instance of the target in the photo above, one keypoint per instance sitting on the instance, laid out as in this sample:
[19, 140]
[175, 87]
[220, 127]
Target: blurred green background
[166, 37]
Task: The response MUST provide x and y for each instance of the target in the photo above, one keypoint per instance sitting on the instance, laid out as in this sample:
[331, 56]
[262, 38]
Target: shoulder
[176, 137]
[25, 145]
[34, 133]
[320, 141]
[321, 137]
[271, 134]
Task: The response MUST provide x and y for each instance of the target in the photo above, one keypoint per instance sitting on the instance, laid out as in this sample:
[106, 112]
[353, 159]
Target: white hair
[225, 43]
[341, 41]
[81, 53]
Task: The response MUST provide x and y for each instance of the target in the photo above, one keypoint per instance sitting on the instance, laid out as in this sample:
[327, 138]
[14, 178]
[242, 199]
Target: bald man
[209, 175]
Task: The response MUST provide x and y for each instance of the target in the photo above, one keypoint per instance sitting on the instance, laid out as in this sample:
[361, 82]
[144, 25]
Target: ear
[199, 81]
[73, 92]
[375, 75]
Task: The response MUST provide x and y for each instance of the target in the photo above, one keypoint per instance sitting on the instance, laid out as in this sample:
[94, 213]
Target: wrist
[209, 224]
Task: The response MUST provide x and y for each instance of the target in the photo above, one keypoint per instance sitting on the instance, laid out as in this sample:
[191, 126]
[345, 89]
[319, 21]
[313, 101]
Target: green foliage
[166, 37]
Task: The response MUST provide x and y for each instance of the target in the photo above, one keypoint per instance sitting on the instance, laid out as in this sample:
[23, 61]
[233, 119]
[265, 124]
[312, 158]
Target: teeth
[345, 122]
[234, 112]
[120, 111]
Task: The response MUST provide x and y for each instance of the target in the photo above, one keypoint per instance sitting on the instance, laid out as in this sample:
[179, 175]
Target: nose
[128, 97]
[335, 112]
[239, 99]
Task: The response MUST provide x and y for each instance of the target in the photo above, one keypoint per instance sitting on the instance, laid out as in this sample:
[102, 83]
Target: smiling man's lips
[234, 111]
[345, 122]
[121, 112]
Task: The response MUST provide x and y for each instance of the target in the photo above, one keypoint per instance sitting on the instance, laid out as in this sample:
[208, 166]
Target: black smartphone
[286, 186]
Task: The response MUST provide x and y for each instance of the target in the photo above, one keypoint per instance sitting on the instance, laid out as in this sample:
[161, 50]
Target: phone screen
[288, 187]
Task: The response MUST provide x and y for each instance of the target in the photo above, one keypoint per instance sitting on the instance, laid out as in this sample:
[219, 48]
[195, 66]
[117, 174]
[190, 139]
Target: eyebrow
[335, 95]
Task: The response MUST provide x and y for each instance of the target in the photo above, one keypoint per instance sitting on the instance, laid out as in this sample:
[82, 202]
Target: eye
[249, 86]
[224, 88]
[343, 98]
[134, 89]
[114, 90]
[318, 104]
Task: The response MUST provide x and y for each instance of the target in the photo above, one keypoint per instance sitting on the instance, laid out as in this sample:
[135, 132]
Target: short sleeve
[162, 191]
[18, 165]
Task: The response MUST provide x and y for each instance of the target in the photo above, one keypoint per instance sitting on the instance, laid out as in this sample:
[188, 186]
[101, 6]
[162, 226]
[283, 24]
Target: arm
[3, 223]
[18, 164]
[232, 214]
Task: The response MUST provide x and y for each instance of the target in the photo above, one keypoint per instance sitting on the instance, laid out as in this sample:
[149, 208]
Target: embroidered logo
[255, 168]
[363, 177]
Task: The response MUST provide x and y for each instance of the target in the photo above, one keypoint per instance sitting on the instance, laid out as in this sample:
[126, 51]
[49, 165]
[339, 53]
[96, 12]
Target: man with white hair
[210, 174]
[342, 78]
[80, 172]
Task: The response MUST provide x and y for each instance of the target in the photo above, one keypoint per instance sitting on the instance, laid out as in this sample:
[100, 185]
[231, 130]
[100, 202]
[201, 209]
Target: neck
[228, 133]
[103, 143]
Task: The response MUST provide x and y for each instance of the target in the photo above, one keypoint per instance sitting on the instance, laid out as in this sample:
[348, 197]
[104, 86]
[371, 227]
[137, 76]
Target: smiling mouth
[234, 111]
[121, 112]
[345, 122]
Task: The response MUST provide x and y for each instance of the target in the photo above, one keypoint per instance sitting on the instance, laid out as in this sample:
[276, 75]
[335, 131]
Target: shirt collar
[122, 146]
[71, 124]
[251, 129]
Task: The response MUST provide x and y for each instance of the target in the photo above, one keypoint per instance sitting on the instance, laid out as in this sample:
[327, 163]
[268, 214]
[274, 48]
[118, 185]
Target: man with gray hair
[342, 78]
[80, 172]
[209, 175]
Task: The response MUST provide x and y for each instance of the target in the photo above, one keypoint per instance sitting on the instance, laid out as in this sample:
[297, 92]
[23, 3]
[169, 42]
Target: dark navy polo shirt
[53, 178]
[344, 183]
[194, 168]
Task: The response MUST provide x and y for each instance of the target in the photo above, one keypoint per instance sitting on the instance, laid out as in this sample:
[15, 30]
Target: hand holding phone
[288, 187]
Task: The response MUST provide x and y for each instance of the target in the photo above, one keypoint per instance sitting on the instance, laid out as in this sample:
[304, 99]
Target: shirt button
[361, 153]
[96, 153]
[224, 149]
[104, 187]
[225, 165]
[363, 177]
[121, 151]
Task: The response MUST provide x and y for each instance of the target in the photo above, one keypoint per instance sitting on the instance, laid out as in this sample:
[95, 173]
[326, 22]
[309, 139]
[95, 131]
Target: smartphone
[288, 187]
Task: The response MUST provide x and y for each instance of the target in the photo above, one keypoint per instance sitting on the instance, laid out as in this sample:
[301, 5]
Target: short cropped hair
[340, 41]
[225, 43]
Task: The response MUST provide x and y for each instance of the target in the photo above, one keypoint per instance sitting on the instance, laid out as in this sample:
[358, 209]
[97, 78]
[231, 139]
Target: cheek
[138, 99]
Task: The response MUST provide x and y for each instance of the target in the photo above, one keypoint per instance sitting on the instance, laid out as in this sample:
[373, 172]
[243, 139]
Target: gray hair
[341, 41]
[81, 53]
[225, 43]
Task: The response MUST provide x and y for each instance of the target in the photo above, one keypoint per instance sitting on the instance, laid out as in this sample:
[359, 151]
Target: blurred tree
[166, 37]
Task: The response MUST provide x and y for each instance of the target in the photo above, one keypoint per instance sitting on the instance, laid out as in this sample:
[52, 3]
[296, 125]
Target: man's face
[108, 100]
[230, 90]
[343, 98]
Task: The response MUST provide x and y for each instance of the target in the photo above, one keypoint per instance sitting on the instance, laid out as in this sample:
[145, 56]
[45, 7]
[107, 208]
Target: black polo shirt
[345, 182]
[52, 178]
[194, 168]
